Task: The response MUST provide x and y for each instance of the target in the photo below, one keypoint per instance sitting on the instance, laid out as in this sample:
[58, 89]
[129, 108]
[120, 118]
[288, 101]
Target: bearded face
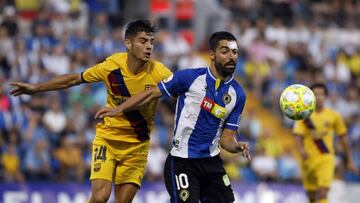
[225, 58]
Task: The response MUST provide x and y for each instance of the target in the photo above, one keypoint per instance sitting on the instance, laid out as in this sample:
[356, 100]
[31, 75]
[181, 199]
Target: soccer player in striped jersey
[121, 143]
[209, 105]
[315, 140]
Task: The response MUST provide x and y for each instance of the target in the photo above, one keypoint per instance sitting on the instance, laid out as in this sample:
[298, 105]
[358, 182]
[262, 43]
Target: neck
[134, 64]
[319, 108]
[216, 74]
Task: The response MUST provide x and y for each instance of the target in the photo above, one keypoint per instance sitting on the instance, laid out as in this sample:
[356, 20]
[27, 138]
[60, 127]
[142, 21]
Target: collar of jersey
[139, 74]
[213, 77]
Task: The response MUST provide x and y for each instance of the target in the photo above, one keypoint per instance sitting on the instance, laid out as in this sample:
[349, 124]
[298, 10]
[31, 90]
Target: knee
[124, 199]
[100, 196]
[311, 196]
[322, 193]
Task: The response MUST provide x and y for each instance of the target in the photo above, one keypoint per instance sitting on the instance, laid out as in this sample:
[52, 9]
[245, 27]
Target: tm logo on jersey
[212, 107]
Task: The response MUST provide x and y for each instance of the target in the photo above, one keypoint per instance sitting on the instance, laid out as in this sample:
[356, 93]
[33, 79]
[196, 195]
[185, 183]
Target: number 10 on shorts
[182, 181]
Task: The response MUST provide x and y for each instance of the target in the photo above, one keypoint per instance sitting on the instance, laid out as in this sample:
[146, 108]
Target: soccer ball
[297, 102]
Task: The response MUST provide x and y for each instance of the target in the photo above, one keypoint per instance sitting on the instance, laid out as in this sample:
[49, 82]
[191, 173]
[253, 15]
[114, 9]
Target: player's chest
[126, 85]
[323, 123]
[218, 102]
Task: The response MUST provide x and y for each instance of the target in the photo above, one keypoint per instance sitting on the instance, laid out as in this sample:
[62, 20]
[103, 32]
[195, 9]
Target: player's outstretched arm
[56, 83]
[130, 104]
[229, 143]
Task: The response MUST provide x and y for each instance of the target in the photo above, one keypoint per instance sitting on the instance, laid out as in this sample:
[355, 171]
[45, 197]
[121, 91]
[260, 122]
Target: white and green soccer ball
[297, 102]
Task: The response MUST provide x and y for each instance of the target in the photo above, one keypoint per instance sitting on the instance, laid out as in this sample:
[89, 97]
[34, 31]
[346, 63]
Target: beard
[223, 71]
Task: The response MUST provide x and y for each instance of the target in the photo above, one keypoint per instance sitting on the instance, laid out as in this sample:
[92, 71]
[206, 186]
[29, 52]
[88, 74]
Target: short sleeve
[233, 120]
[164, 72]
[340, 127]
[299, 128]
[95, 73]
[175, 84]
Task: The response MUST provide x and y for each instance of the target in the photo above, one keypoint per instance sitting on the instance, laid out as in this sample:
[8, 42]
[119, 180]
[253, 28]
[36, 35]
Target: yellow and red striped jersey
[320, 139]
[134, 126]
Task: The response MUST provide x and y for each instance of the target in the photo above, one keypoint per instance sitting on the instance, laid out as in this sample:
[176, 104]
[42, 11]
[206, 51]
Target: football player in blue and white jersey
[209, 105]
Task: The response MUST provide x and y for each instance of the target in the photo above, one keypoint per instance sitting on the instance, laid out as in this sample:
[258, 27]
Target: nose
[233, 56]
[149, 46]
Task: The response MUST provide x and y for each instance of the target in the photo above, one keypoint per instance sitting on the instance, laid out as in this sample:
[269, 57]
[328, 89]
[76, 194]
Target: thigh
[216, 187]
[309, 177]
[182, 183]
[132, 159]
[103, 162]
[100, 190]
[125, 192]
[325, 172]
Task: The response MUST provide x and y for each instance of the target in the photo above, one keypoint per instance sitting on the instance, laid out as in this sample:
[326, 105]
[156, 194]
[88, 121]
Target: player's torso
[200, 116]
[121, 84]
[320, 139]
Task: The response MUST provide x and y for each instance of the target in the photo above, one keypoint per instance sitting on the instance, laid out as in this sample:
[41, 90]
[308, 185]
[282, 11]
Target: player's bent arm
[56, 83]
[346, 148]
[299, 139]
[139, 100]
[228, 141]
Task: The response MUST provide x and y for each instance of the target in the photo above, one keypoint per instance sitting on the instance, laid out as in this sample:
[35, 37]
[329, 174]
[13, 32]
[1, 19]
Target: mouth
[230, 65]
[147, 54]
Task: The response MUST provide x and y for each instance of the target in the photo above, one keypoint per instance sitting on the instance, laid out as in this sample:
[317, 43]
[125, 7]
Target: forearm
[229, 143]
[346, 148]
[299, 143]
[59, 82]
[139, 100]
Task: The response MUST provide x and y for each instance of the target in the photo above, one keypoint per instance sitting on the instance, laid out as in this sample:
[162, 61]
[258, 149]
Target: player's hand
[243, 148]
[106, 111]
[352, 167]
[19, 88]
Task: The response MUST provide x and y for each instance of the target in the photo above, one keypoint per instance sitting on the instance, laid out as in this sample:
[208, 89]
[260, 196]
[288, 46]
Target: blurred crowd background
[48, 136]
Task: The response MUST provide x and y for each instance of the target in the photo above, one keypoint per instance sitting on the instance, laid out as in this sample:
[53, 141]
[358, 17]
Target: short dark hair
[320, 85]
[218, 36]
[139, 26]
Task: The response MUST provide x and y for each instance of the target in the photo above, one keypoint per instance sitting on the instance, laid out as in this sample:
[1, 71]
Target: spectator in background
[37, 161]
[11, 164]
[9, 21]
[54, 120]
[264, 166]
[57, 62]
[156, 159]
[288, 168]
[70, 158]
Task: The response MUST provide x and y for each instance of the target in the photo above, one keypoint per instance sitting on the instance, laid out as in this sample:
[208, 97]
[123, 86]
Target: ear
[212, 55]
[128, 43]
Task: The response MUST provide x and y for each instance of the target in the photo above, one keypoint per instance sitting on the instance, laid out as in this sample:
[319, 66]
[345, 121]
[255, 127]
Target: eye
[224, 51]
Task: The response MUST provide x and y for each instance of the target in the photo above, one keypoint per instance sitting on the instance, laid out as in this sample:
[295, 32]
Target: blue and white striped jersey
[205, 105]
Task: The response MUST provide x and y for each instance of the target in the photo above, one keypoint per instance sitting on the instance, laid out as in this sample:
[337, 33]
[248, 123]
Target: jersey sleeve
[340, 127]
[233, 120]
[164, 72]
[174, 85]
[299, 128]
[95, 73]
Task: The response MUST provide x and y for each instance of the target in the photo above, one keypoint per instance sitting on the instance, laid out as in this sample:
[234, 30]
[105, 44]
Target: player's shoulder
[237, 87]
[193, 71]
[117, 60]
[331, 112]
[120, 56]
